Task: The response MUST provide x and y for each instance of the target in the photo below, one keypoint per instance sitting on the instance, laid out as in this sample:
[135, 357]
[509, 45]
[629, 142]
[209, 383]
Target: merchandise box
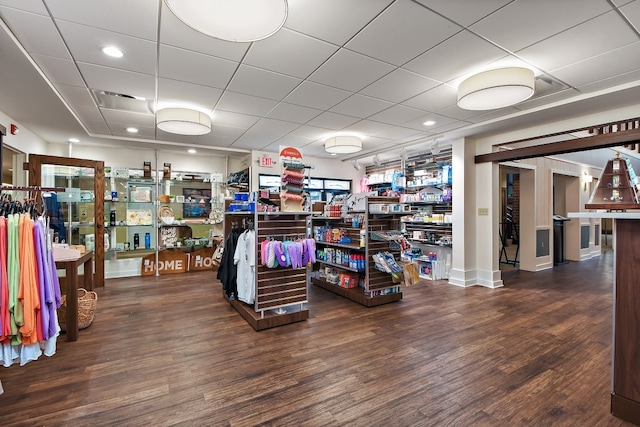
[358, 201]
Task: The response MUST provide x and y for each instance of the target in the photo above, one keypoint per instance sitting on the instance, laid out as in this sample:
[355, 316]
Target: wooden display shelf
[270, 319]
[357, 294]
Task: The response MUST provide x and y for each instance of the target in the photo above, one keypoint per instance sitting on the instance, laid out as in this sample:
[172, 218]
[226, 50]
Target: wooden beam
[613, 139]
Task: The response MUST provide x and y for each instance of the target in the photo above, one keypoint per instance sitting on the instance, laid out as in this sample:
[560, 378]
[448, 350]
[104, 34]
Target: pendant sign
[266, 161]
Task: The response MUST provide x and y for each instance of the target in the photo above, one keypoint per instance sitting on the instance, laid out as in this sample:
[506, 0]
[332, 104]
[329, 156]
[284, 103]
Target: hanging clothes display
[29, 290]
[227, 272]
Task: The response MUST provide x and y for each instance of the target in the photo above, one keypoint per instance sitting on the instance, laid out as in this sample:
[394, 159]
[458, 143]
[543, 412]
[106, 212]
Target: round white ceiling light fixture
[429, 123]
[183, 121]
[497, 88]
[234, 21]
[343, 144]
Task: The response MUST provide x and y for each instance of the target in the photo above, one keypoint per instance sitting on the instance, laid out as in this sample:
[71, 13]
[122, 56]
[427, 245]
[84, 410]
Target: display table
[71, 271]
[625, 396]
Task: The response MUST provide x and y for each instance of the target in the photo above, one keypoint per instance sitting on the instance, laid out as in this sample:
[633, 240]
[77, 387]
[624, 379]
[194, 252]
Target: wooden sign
[170, 261]
[202, 259]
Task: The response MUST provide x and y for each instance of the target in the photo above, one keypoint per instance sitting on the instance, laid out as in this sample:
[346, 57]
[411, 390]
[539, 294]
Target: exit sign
[266, 162]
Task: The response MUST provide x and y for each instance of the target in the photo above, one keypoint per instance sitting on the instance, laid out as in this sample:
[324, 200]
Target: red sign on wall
[266, 162]
[291, 152]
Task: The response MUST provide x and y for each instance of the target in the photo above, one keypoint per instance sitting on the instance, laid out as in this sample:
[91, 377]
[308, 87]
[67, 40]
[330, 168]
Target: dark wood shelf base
[625, 409]
[357, 295]
[270, 319]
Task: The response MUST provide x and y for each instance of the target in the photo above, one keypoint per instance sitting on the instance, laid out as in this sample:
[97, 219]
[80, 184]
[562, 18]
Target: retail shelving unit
[377, 287]
[280, 293]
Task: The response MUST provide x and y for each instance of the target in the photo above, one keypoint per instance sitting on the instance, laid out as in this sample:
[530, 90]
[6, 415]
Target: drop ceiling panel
[215, 140]
[118, 81]
[459, 113]
[128, 118]
[203, 69]
[172, 137]
[600, 35]
[119, 129]
[293, 113]
[85, 43]
[492, 115]
[397, 115]
[96, 127]
[246, 104]
[88, 113]
[464, 12]
[59, 71]
[76, 96]
[335, 21]
[46, 40]
[228, 118]
[399, 85]
[421, 29]
[633, 76]
[361, 106]
[138, 18]
[554, 97]
[350, 71]
[291, 141]
[394, 132]
[262, 83]
[226, 131]
[449, 127]
[174, 33]
[314, 95]
[310, 132]
[369, 128]
[435, 99]
[440, 120]
[632, 12]
[374, 143]
[333, 121]
[174, 92]
[35, 6]
[519, 24]
[457, 56]
[615, 62]
[290, 53]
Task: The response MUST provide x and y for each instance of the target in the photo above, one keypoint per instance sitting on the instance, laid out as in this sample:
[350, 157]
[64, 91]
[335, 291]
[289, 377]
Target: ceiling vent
[546, 85]
[122, 102]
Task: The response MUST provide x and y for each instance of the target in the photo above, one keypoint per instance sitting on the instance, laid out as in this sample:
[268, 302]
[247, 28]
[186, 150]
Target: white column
[475, 218]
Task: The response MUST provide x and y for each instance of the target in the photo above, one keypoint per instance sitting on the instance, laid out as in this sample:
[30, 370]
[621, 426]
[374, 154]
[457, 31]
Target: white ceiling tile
[397, 115]
[85, 43]
[76, 96]
[335, 21]
[241, 103]
[519, 24]
[374, 143]
[632, 12]
[459, 113]
[215, 140]
[602, 34]
[34, 6]
[290, 141]
[457, 56]
[350, 71]
[97, 127]
[420, 30]
[139, 20]
[333, 121]
[203, 69]
[253, 141]
[144, 132]
[59, 71]
[46, 40]
[262, 83]
[226, 131]
[176, 92]
[418, 124]
[435, 99]
[609, 82]
[174, 137]
[174, 32]
[310, 132]
[87, 113]
[464, 12]
[128, 118]
[491, 115]
[369, 128]
[396, 132]
[314, 95]
[290, 53]
[450, 126]
[612, 63]
[622, 2]
[399, 85]
[293, 113]
[228, 118]
[361, 106]
[548, 99]
[118, 81]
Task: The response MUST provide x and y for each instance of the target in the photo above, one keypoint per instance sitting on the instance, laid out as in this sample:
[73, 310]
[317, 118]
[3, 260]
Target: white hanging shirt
[245, 259]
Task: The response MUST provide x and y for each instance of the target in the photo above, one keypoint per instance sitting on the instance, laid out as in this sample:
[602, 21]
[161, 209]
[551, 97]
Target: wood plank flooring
[171, 351]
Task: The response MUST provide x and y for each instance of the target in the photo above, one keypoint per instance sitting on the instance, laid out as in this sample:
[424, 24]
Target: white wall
[25, 141]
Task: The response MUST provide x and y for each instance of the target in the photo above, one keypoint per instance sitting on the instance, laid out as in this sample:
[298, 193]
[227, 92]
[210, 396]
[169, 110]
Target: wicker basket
[86, 309]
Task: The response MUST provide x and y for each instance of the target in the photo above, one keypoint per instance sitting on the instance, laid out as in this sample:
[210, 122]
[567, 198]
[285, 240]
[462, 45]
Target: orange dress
[28, 288]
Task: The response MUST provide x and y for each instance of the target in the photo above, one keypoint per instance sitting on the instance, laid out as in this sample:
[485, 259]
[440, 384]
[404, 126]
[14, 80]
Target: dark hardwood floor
[171, 351]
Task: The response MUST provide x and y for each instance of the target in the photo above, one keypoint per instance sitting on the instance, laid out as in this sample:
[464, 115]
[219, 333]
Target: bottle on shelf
[136, 241]
[112, 217]
[147, 241]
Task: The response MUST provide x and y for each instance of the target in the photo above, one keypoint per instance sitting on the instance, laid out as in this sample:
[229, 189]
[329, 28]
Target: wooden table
[71, 271]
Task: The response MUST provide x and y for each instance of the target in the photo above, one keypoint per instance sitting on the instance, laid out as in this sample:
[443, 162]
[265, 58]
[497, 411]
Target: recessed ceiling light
[112, 51]
[132, 130]
[334, 154]
[191, 151]
[429, 123]
[74, 140]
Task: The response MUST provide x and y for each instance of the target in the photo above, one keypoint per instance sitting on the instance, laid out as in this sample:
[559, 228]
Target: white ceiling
[377, 67]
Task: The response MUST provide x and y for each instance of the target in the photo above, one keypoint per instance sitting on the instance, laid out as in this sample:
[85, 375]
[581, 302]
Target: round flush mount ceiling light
[183, 121]
[112, 51]
[343, 144]
[235, 21]
[429, 123]
[497, 88]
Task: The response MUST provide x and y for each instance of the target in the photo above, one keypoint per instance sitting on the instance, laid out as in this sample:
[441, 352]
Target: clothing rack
[31, 188]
